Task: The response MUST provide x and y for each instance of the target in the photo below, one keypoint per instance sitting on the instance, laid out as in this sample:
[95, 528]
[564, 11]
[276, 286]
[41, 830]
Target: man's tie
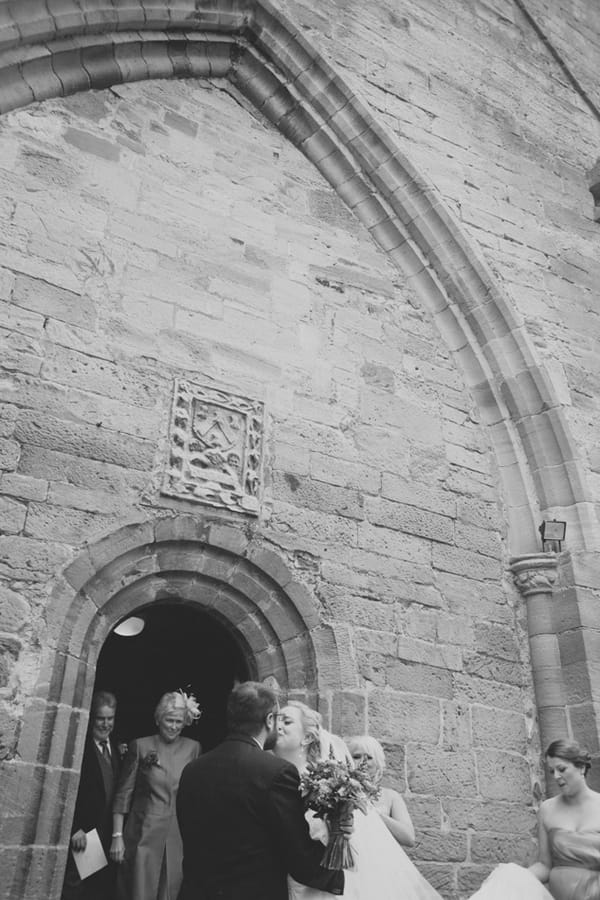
[105, 750]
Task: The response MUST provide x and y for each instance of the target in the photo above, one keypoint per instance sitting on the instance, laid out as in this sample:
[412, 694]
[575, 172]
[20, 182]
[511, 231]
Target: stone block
[349, 713]
[357, 611]
[22, 321]
[464, 562]
[50, 465]
[456, 726]
[497, 640]
[484, 816]
[500, 729]
[23, 486]
[478, 689]
[10, 650]
[494, 848]
[403, 676]
[502, 775]
[500, 670]
[26, 559]
[297, 521]
[409, 519]
[47, 522]
[270, 563]
[12, 515]
[430, 653]
[441, 773]
[332, 470]
[103, 376]
[311, 494]
[95, 442]
[336, 657]
[399, 717]
[424, 496]
[435, 846]
[9, 454]
[14, 610]
[393, 543]
[8, 417]
[470, 878]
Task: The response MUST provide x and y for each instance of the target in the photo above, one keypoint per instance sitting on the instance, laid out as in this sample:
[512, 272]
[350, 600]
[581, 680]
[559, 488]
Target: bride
[382, 869]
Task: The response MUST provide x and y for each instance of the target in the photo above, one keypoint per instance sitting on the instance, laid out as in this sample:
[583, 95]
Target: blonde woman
[382, 870]
[149, 848]
[390, 806]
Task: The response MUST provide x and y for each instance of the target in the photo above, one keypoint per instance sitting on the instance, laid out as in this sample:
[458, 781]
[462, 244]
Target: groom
[241, 815]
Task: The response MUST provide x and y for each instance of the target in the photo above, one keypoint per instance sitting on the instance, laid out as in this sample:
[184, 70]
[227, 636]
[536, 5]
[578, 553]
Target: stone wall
[166, 230]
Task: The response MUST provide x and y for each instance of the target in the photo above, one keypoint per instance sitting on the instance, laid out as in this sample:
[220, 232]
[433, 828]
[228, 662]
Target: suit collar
[244, 738]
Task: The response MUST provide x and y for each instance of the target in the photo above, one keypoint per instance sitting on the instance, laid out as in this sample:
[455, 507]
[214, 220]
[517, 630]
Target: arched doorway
[180, 646]
[212, 570]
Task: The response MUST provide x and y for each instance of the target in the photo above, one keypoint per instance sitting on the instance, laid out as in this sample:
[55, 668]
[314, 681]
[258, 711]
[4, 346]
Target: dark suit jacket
[93, 808]
[242, 822]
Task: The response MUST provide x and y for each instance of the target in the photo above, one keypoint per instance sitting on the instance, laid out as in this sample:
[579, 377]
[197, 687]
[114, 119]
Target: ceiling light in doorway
[130, 627]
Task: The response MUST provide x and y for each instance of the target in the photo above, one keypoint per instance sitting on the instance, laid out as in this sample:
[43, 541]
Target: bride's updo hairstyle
[311, 726]
[572, 752]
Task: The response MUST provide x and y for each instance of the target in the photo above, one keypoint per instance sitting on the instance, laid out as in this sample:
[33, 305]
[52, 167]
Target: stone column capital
[534, 573]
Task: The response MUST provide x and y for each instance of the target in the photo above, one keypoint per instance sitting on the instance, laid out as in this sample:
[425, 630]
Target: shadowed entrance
[179, 647]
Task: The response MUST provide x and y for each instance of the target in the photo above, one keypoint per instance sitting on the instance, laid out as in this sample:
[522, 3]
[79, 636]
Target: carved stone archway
[221, 569]
[52, 50]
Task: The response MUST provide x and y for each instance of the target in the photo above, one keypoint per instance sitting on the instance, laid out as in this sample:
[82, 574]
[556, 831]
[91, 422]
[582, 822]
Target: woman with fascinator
[149, 847]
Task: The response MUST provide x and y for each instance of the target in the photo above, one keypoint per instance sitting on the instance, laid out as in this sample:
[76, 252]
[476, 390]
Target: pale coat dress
[152, 868]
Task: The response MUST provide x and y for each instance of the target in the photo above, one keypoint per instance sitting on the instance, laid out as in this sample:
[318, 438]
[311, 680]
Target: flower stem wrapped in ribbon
[334, 789]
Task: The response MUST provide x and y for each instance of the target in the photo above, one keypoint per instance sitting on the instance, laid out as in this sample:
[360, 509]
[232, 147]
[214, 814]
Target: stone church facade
[299, 348]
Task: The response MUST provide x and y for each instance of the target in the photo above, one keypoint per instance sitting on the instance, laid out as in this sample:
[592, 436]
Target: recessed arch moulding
[59, 48]
[52, 50]
[213, 566]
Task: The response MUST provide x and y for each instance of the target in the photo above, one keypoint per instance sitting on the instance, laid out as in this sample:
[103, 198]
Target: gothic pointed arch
[50, 51]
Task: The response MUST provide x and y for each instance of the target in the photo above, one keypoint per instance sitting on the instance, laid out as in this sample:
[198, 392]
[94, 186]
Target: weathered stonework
[215, 454]
[384, 238]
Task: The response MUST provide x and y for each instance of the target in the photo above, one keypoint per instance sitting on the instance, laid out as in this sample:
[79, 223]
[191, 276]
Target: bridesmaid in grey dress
[569, 827]
[149, 848]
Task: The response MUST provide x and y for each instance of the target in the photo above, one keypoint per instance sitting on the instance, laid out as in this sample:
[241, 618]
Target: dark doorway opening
[180, 647]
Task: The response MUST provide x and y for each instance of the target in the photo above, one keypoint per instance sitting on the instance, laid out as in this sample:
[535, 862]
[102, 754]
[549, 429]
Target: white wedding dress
[383, 871]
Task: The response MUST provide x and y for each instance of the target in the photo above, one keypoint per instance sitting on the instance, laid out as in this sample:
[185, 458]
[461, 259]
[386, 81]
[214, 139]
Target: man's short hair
[248, 706]
[102, 698]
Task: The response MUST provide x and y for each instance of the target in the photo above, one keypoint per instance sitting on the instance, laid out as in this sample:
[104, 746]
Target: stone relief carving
[534, 573]
[215, 448]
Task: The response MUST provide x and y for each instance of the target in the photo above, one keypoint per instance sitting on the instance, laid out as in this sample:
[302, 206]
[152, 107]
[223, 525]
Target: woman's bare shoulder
[547, 808]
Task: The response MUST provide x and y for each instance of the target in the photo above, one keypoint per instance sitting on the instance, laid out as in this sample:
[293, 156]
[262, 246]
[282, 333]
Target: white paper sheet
[92, 859]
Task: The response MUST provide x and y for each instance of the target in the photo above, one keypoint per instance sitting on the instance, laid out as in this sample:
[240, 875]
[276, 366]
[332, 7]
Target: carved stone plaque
[215, 448]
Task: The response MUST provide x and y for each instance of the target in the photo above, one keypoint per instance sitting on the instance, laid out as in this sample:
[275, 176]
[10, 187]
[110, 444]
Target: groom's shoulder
[247, 754]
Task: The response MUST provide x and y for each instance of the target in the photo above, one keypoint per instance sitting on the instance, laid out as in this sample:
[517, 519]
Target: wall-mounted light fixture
[553, 534]
[130, 627]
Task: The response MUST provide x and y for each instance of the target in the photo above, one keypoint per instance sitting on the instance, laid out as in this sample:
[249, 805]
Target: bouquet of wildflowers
[334, 789]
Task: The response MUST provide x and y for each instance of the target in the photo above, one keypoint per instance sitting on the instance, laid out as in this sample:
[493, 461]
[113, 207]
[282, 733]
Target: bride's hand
[347, 823]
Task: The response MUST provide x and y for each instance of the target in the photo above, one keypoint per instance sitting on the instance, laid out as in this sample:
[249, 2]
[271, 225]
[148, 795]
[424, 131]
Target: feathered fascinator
[191, 705]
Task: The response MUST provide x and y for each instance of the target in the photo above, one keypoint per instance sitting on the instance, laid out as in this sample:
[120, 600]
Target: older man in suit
[241, 815]
[93, 808]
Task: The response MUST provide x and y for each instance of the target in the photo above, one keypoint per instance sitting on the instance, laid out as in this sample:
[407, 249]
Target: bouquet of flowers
[334, 789]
